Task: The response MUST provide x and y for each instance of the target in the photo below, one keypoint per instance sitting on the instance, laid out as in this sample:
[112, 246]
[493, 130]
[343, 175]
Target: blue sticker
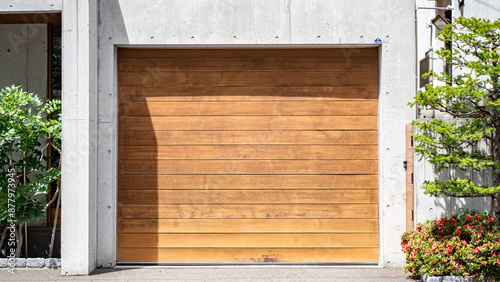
[378, 41]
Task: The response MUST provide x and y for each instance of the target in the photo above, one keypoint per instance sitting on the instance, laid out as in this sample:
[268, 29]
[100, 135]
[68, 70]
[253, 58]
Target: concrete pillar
[79, 140]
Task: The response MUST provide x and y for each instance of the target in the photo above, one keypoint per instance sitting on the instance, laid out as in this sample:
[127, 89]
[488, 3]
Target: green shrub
[26, 133]
[465, 244]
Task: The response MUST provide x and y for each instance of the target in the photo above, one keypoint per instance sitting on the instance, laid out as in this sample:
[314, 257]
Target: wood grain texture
[410, 186]
[366, 211]
[238, 137]
[248, 155]
[248, 79]
[154, 197]
[245, 181]
[310, 255]
[242, 226]
[248, 123]
[146, 167]
[248, 240]
[30, 18]
[296, 108]
[248, 152]
[283, 64]
[231, 53]
[169, 93]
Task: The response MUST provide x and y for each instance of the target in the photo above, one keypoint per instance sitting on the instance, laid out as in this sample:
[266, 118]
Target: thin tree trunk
[495, 150]
[4, 232]
[19, 239]
[54, 228]
[495, 205]
[26, 240]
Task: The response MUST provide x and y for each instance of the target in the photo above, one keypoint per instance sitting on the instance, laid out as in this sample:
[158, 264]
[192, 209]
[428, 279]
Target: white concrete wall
[23, 57]
[269, 24]
[79, 137]
[428, 207]
[24, 6]
[486, 9]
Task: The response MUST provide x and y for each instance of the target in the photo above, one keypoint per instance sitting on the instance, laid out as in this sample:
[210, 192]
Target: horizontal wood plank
[148, 167]
[311, 255]
[248, 152]
[249, 137]
[247, 64]
[296, 108]
[248, 123]
[154, 197]
[166, 93]
[248, 155]
[247, 240]
[249, 211]
[229, 53]
[247, 181]
[272, 225]
[249, 79]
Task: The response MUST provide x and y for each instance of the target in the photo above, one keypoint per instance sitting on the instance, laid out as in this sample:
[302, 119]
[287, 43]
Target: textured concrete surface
[16, 6]
[35, 262]
[53, 262]
[79, 137]
[276, 273]
[265, 24]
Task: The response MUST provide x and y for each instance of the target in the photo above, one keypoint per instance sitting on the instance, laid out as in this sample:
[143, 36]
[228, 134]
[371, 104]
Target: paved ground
[234, 273]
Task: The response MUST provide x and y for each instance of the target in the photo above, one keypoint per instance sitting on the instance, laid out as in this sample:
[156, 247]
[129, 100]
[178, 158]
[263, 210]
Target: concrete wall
[23, 54]
[79, 137]
[428, 207]
[268, 24]
[90, 90]
[486, 9]
[24, 6]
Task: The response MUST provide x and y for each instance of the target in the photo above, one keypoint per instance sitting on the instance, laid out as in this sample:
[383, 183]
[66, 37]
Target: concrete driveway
[220, 273]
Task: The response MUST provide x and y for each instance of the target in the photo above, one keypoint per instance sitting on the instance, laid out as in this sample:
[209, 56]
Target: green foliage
[26, 132]
[465, 244]
[471, 96]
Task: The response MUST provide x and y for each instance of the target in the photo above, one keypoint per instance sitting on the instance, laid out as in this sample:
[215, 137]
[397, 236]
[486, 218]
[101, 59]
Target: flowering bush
[465, 244]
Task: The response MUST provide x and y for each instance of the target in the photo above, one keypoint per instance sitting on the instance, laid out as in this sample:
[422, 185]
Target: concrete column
[79, 140]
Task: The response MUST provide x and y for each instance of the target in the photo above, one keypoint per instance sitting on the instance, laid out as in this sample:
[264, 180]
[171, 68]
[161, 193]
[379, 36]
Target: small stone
[53, 262]
[453, 279]
[20, 262]
[3, 262]
[432, 278]
[35, 262]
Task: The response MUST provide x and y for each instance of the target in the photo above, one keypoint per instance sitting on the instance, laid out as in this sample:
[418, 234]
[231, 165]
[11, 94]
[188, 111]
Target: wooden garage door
[248, 156]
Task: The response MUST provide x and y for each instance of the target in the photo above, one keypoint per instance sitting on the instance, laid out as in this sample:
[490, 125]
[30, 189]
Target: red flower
[468, 217]
[476, 250]
[450, 249]
[453, 221]
[491, 219]
[478, 217]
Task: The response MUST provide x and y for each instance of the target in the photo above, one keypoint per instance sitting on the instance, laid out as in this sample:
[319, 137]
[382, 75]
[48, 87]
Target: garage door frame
[346, 50]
